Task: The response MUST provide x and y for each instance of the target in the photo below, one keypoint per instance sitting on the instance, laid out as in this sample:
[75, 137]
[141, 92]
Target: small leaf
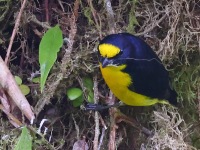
[18, 80]
[88, 83]
[25, 140]
[25, 89]
[78, 101]
[36, 80]
[48, 49]
[74, 93]
[90, 97]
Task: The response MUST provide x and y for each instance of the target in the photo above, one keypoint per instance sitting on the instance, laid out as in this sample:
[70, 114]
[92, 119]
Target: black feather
[149, 76]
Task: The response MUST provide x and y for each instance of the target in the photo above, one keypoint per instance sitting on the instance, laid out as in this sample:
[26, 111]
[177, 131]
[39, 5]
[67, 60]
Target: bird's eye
[120, 53]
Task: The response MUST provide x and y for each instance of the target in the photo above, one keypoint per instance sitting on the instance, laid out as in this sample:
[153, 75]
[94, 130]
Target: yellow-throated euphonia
[133, 71]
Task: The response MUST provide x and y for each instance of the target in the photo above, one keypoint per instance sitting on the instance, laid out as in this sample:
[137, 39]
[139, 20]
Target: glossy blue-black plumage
[149, 76]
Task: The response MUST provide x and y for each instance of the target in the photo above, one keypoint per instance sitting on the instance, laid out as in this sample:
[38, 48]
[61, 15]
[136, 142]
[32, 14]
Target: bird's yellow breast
[119, 82]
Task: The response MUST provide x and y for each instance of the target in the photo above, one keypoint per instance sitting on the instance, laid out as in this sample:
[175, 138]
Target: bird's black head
[115, 49]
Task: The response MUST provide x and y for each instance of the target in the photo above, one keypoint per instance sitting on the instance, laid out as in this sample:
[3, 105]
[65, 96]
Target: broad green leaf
[48, 49]
[36, 80]
[25, 89]
[78, 101]
[18, 80]
[25, 140]
[74, 93]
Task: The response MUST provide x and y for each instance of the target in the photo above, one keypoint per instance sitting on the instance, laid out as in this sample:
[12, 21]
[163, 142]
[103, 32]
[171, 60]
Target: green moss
[88, 14]
[132, 19]
[187, 81]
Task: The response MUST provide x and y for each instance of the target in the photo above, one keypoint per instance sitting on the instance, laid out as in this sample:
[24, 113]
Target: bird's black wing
[149, 76]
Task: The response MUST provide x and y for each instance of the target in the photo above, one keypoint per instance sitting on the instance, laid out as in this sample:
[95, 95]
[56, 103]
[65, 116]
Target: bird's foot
[98, 107]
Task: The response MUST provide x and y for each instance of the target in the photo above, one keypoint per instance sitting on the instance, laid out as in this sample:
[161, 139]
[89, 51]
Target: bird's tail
[173, 97]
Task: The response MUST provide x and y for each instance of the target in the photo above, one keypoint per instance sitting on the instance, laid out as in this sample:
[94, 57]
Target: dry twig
[198, 97]
[95, 15]
[12, 118]
[96, 98]
[15, 31]
[110, 15]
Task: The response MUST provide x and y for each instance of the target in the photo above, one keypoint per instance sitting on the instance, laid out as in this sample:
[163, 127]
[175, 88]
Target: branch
[15, 31]
[8, 83]
[148, 29]
[110, 15]
[97, 132]
[95, 15]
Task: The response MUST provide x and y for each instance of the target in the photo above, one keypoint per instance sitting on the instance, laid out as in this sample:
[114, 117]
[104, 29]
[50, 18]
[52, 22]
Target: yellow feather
[119, 81]
[108, 50]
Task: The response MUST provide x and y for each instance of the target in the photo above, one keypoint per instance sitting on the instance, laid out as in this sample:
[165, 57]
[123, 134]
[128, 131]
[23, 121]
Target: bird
[133, 71]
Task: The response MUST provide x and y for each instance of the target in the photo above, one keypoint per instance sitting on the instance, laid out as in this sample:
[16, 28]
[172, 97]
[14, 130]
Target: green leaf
[18, 80]
[88, 83]
[74, 93]
[90, 97]
[78, 101]
[25, 89]
[36, 80]
[25, 140]
[48, 49]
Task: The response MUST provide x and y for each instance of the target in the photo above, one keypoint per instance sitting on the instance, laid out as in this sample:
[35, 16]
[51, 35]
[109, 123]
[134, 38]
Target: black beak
[106, 62]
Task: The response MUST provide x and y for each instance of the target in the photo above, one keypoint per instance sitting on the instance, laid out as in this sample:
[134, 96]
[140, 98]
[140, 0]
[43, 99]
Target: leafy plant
[76, 94]
[18, 80]
[25, 140]
[48, 49]
[36, 80]
[24, 88]
[88, 84]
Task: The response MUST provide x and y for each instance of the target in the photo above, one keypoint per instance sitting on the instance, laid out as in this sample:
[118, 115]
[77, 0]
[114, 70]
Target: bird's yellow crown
[108, 50]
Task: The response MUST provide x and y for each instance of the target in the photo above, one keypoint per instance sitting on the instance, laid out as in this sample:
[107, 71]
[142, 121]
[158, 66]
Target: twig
[110, 15]
[76, 127]
[46, 5]
[76, 8]
[97, 132]
[103, 122]
[101, 138]
[111, 98]
[152, 26]
[198, 97]
[42, 24]
[119, 117]
[94, 13]
[4, 100]
[12, 118]
[14, 31]
[113, 127]
[49, 145]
